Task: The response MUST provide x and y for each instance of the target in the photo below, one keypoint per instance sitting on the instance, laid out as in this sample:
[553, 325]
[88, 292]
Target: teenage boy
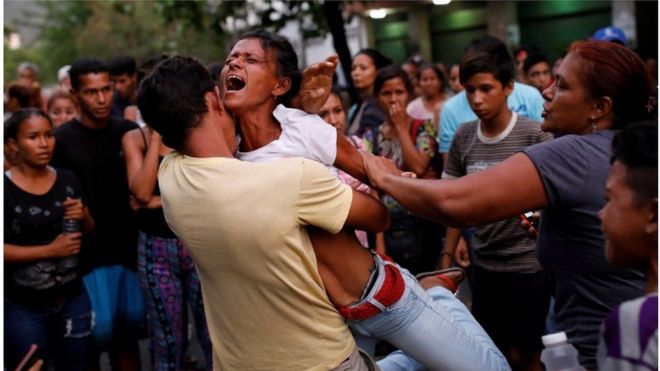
[123, 73]
[91, 148]
[629, 339]
[510, 298]
[523, 100]
[537, 71]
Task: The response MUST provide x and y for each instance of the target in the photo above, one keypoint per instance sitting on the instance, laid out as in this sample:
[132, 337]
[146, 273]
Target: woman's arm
[349, 160]
[414, 159]
[74, 209]
[316, 85]
[65, 244]
[503, 191]
[141, 169]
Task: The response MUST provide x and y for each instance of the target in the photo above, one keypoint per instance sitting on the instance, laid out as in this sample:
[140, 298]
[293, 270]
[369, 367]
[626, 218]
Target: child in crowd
[62, 108]
[630, 221]
[510, 296]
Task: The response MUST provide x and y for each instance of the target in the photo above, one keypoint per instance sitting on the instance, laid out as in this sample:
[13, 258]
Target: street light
[441, 2]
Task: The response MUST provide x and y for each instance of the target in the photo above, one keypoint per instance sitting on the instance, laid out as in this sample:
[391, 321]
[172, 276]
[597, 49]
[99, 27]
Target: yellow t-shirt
[244, 225]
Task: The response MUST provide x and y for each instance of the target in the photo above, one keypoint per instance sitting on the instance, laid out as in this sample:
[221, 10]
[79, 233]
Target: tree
[105, 29]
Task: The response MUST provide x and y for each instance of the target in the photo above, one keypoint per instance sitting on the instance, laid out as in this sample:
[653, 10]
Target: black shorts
[511, 307]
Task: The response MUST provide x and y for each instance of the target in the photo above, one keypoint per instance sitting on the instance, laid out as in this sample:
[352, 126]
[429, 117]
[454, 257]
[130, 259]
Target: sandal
[451, 277]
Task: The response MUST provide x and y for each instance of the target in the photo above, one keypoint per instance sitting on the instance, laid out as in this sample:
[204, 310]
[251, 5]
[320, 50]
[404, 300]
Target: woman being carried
[377, 297]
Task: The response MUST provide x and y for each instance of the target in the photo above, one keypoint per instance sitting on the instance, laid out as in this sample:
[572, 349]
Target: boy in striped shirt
[629, 339]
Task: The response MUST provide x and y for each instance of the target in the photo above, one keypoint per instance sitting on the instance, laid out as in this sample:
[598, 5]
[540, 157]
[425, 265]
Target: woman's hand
[154, 138]
[378, 168]
[399, 118]
[65, 244]
[461, 255]
[316, 85]
[529, 224]
[73, 208]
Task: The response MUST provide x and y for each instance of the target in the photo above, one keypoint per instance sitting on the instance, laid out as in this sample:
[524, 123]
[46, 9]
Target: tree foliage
[105, 29]
[69, 29]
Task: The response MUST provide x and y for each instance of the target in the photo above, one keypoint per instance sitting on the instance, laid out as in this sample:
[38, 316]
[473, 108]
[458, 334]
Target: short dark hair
[13, 123]
[487, 54]
[287, 60]
[84, 66]
[22, 94]
[171, 98]
[122, 64]
[215, 70]
[378, 58]
[149, 64]
[389, 73]
[636, 147]
[534, 59]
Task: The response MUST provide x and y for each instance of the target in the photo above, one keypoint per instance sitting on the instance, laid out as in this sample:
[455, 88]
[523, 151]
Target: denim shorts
[60, 330]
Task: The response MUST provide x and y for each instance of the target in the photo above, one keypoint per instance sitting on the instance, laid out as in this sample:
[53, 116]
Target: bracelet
[447, 253]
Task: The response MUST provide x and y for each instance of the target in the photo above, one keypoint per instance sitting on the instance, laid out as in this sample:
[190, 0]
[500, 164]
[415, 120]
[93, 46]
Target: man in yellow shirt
[245, 227]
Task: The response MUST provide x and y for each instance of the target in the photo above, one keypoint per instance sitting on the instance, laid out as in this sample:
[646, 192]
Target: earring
[593, 124]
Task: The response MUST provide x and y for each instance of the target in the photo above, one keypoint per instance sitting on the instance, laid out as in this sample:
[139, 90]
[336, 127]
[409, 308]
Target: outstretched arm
[316, 85]
[349, 160]
[497, 193]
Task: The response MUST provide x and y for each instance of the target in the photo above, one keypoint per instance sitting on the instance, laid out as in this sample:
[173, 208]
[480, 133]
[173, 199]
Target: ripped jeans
[60, 330]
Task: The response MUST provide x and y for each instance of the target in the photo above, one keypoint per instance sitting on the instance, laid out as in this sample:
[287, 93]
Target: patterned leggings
[168, 280]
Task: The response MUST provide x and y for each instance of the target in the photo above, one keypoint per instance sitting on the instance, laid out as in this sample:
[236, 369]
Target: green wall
[553, 25]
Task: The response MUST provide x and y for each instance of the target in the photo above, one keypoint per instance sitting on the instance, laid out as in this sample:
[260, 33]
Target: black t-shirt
[96, 157]
[118, 106]
[36, 220]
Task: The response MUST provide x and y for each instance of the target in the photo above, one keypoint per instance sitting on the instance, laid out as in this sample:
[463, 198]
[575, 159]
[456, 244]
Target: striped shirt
[629, 339]
[501, 246]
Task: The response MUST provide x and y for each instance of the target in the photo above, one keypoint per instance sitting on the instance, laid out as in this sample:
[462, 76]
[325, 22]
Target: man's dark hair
[487, 54]
[21, 93]
[389, 73]
[636, 147]
[215, 70]
[122, 64]
[287, 60]
[149, 64]
[534, 59]
[84, 66]
[171, 98]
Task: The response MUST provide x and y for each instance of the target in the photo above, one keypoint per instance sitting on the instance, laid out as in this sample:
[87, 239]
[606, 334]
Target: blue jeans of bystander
[61, 330]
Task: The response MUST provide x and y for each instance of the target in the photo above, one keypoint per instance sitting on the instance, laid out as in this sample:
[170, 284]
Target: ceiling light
[377, 13]
[441, 2]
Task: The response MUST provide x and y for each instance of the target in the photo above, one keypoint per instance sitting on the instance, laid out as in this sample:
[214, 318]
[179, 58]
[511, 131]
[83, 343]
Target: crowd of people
[300, 229]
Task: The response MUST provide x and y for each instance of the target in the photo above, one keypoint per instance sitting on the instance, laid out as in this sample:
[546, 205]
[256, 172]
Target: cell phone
[29, 359]
[526, 216]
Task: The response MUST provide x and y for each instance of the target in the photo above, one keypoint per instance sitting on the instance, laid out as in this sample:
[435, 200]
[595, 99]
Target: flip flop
[442, 274]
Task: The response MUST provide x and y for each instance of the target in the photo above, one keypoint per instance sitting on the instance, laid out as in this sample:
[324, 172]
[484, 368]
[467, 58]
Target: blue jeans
[434, 328]
[60, 330]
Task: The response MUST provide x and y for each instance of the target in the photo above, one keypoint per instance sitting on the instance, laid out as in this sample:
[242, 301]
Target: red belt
[389, 293]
